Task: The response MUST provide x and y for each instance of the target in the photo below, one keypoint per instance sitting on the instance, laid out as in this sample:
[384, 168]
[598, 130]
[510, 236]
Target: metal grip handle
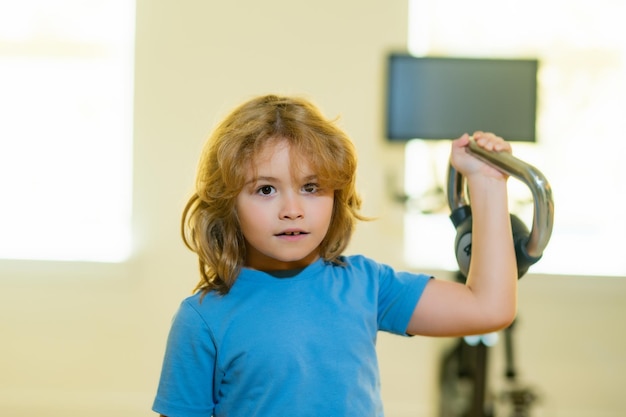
[543, 214]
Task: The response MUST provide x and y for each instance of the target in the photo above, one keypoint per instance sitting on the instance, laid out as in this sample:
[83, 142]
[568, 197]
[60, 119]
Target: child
[281, 323]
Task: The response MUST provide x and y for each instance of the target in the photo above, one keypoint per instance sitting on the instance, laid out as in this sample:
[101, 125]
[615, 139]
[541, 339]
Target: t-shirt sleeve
[186, 384]
[398, 294]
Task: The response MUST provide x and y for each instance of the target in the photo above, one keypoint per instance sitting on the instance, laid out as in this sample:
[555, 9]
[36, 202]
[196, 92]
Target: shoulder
[363, 262]
[197, 309]
[384, 273]
[190, 309]
[366, 265]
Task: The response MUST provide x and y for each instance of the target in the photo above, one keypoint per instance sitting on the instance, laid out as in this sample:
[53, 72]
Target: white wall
[87, 339]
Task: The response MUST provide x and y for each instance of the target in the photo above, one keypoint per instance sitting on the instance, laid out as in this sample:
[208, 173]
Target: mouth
[292, 233]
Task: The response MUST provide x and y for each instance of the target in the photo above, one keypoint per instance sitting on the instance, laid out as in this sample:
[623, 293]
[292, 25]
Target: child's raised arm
[488, 300]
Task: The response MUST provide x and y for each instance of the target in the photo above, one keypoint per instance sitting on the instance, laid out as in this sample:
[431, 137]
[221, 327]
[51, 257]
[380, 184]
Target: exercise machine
[463, 376]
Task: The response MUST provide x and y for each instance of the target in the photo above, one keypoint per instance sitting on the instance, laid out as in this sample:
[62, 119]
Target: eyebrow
[254, 180]
[261, 178]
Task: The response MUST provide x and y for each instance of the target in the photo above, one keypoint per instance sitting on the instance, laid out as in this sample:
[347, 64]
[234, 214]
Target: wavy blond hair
[210, 225]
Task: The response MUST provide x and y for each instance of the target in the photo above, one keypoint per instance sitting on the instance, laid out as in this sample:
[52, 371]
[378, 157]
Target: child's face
[283, 217]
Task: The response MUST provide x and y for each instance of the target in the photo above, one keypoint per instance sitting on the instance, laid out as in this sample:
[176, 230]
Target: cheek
[243, 213]
[328, 208]
[253, 218]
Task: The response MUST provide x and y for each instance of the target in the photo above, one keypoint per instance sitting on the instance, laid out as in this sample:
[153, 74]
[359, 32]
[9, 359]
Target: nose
[291, 207]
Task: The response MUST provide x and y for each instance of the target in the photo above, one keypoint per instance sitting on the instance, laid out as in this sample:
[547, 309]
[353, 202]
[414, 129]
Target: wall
[87, 339]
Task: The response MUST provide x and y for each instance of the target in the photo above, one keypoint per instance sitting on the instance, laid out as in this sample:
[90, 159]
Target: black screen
[442, 98]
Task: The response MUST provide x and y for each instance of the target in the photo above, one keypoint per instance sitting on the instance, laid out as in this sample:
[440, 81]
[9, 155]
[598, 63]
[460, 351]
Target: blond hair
[210, 226]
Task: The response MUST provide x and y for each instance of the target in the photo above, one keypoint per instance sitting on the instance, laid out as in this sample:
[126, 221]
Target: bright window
[582, 103]
[66, 72]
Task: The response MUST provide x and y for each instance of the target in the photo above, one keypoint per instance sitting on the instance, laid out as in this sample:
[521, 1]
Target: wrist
[483, 180]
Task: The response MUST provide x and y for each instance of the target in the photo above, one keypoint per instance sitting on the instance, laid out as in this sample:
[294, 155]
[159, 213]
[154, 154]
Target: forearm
[488, 301]
[492, 275]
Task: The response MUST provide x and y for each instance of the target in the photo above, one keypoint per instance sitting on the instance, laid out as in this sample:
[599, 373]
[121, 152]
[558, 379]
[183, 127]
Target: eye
[310, 188]
[265, 190]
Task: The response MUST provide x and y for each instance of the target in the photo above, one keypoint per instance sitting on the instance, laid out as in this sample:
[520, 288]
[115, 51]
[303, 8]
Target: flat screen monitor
[442, 98]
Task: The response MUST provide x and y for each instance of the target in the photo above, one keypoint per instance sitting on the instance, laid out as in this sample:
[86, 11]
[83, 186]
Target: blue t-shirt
[299, 346]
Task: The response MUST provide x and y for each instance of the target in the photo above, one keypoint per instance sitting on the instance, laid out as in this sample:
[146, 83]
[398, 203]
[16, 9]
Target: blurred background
[104, 108]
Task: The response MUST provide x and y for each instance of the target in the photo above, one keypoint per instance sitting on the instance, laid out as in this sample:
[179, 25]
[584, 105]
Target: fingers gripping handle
[528, 246]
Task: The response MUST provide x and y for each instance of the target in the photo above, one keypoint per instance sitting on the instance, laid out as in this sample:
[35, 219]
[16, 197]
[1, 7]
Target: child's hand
[467, 164]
